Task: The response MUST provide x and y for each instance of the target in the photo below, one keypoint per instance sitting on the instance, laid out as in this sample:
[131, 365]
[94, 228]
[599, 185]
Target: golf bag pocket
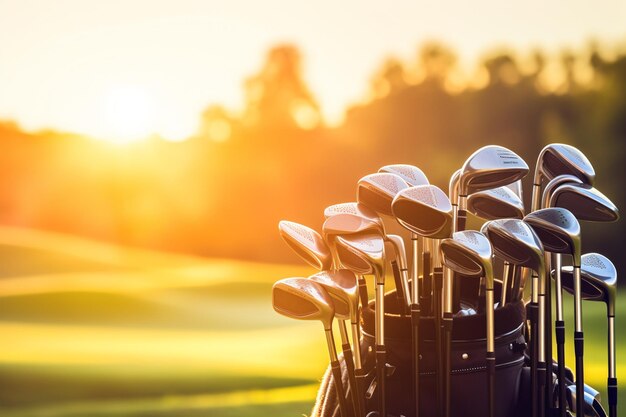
[468, 382]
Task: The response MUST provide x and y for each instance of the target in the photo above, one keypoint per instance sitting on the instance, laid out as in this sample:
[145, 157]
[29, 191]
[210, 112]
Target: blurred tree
[277, 98]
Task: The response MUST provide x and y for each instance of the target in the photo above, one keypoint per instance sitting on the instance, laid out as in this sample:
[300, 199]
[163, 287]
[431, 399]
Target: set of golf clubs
[354, 243]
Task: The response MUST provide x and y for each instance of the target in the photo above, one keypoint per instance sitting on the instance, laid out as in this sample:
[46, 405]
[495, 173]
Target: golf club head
[399, 248]
[342, 287]
[424, 210]
[307, 243]
[558, 158]
[496, 203]
[468, 253]
[555, 183]
[303, 299]
[599, 280]
[349, 224]
[363, 254]
[490, 167]
[517, 188]
[411, 174]
[516, 242]
[558, 229]
[593, 408]
[352, 208]
[377, 191]
[585, 202]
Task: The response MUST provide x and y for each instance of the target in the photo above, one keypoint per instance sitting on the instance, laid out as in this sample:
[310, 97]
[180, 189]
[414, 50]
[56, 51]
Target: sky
[126, 68]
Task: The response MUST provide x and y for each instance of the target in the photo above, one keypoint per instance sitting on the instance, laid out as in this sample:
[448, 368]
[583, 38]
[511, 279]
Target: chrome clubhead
[516, 242]
[303, 299]
[352, 208]
[585, 202]
[555, 183]
[558, 229]
[411, 174]
[468, 253]
[490, 167]
[377, 191]
[307, 243]
[363, 254]
[342, 287]
[424, 210]
[496, 203]
[558, 158]
[348, 224]
[599, 280]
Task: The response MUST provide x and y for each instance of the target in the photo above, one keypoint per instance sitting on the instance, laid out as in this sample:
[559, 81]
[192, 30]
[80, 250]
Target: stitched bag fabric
[469, 378]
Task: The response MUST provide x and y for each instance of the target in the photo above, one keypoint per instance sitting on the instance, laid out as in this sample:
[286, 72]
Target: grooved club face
[585, 202]
[412, 175]
[468, 253]
[555, 183]
[342, 287]
[558, 229]
[558, 159]
[490, 167]
[599, 279]
[496, 203]
[352, 208]
[347, 224]
[424, 210]
[376, 191]
[363, 254]
[515, 242]
[302, 299]
[307, 243]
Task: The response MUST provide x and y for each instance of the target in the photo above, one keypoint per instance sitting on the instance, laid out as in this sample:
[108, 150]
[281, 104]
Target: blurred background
[148, 150]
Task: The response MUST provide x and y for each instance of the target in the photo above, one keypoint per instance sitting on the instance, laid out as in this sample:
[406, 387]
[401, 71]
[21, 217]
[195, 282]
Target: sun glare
[129, 113]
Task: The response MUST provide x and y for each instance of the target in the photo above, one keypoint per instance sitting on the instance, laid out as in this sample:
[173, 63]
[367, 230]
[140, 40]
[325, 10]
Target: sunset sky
[128, 68]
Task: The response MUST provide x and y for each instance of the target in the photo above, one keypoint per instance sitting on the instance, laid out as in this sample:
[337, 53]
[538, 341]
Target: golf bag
[469, 377]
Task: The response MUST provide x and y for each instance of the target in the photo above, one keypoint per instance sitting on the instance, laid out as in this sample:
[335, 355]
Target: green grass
[90, 329]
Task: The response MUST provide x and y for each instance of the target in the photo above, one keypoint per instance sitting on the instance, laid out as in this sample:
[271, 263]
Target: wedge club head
[377, 191]
[411, 174]
[424, 210]
[585, 202]
[307, 243]
[303, 299]
[496, 203]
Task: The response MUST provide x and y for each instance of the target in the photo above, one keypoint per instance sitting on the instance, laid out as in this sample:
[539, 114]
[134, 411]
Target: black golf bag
[469, 377]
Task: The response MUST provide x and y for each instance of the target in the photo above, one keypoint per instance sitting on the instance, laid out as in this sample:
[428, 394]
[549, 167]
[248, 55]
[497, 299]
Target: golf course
[95, 329]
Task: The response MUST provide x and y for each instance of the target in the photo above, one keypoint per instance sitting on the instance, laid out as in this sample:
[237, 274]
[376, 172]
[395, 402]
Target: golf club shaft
[612, 380]
[415, 317]
[559, 329]
[349, 360]
[505, 283]
[400, 295]
[381, 354]
[547, 336]
[491, 355]
[336, 370]
[358, 369]
[579, 340]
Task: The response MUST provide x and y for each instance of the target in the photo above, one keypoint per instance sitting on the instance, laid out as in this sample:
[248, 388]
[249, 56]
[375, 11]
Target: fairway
[91, 329]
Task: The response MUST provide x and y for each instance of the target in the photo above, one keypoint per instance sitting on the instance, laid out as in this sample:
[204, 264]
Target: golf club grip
[548, 346]
[491, 383]
[415, 318]
[531, 311]
[341, 395]
[363, 292]
[381, 368]
[461, 220]
[400, 296]
[360, 390]
[612, 392]
[447, 367]
[559, 328]
[580, 373]
[541, 377]
[349, 360]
